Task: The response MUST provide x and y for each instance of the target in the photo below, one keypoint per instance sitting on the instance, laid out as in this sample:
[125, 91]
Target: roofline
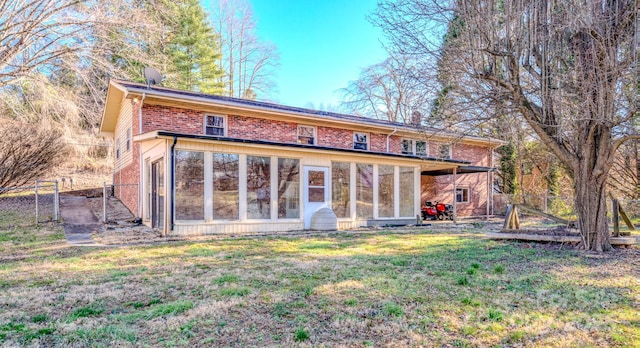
[159, 134]
[237, 103]
[109, 107]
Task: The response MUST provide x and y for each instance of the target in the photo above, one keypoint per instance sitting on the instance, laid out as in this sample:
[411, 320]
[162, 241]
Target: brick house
[190, 163]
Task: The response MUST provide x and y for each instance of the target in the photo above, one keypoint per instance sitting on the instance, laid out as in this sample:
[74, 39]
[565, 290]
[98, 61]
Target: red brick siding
[478, 156]
[262, 129]
[192, 122]
[126, 185]
[440, 188]
[395, 144]
[378, 142]
[126, 179]
[172, 119]
[335, 137]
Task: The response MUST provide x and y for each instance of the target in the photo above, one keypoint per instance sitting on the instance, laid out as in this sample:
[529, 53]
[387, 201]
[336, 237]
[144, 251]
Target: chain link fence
[117, 201]
[37, 203]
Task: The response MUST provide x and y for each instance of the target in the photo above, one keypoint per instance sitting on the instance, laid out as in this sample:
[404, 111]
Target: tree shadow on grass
[352, 288]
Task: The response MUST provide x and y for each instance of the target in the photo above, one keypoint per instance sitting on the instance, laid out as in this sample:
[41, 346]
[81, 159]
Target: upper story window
[215, 125]
[445, 151]
[128, 141]
[360, 141]
[414, 147]
[407, 146]
[306, 135]
[118, 148]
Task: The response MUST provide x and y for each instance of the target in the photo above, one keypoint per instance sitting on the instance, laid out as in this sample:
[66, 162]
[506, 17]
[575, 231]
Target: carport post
[488, 192]
[104, 202]
[455, 211]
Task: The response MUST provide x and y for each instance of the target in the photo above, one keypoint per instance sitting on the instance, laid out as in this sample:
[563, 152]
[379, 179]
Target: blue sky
[323, 44]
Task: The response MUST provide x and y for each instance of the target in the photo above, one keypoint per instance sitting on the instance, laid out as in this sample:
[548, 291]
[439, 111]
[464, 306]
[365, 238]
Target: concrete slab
[79, 221]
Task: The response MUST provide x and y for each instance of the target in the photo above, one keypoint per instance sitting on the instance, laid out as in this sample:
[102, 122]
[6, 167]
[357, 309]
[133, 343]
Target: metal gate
[47, 201]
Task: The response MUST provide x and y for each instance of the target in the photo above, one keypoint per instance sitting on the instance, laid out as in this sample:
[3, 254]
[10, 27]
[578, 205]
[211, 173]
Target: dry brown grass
[377, 288]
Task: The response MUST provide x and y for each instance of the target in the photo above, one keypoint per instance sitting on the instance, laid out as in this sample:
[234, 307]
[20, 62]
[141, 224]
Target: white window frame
[315, 134]
[367, 135]
[440, 151]
[414, 147]
[224, 125]
[426, 148]
[462, 189]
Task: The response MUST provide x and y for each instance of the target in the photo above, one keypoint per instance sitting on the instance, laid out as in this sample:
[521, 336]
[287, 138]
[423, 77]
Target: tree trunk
[591, 208]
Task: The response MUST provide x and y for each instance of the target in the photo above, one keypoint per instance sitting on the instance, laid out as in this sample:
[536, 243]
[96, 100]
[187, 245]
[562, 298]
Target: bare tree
[35, 33]
[624, 180]
[389, 91]
[566, 68]
[248, 62]
[27, 152]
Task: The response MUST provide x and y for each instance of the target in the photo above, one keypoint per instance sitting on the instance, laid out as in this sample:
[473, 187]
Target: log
[625, 218]
[571, 224]
[507, 218]
[551, 238]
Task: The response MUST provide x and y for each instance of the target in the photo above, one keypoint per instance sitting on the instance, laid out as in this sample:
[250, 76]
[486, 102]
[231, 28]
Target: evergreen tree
[508, 168]
[194, 50]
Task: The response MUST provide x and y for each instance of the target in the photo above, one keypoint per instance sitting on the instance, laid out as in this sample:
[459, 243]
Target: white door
[315, 192]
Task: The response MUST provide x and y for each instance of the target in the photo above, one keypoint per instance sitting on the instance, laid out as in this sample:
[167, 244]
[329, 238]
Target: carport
[461, 170]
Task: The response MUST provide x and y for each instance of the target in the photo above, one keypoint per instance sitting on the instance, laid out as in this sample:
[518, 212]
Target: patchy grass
[390, 288]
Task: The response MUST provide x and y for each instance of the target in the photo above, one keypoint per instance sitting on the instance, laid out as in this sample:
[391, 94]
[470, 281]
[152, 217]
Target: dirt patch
[89, 193]
[116, 211]
[127, 233]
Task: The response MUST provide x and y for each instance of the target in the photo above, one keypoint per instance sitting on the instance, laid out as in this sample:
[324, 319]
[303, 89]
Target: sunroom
[196, 184]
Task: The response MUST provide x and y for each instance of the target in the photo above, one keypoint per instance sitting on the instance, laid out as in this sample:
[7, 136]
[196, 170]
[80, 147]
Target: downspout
[173, 180]
[140, 167]
[395, 129]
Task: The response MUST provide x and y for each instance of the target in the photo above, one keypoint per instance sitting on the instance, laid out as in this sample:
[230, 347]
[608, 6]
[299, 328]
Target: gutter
[160, 134]
[273, 109]
[395, 129]
[173, 181]
[140, 166]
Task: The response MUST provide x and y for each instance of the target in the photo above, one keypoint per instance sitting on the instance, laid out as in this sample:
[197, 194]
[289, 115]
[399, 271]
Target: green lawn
[394, 288]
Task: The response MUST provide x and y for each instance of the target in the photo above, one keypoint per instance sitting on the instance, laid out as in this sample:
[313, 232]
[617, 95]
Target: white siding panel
[236, 228]
[124, 123]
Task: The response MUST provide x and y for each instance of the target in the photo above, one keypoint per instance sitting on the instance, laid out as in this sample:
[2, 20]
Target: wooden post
[616, 218]
[37, 212]
[104, 202]
[516, 218]
[488, 189]
[625, 218]
[455, 195]
[507, 217]
[56, 202]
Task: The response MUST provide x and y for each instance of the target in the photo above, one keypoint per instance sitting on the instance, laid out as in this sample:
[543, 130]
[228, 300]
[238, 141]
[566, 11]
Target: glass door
[316, 191]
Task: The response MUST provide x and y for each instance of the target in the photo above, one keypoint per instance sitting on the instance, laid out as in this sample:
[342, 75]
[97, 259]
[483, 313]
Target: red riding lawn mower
[437, 210]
